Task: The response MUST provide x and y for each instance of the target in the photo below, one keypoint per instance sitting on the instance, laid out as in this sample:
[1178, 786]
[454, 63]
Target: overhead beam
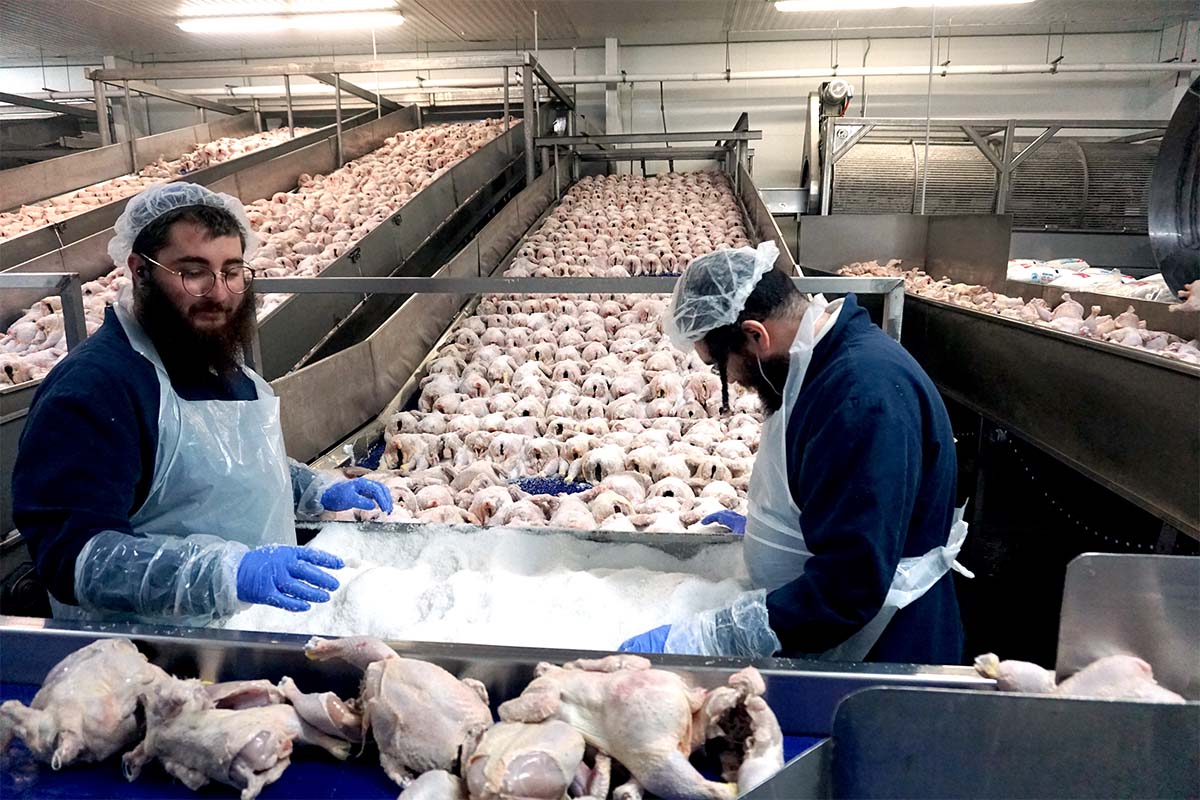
[338, 82]
[179, 97]
[206, 70]
[46, 105]
[550, 83]
[648, 138]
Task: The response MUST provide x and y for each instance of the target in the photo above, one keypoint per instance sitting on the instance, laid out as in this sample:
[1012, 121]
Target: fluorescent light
[272, 23]
[875, 5]
[234, 8]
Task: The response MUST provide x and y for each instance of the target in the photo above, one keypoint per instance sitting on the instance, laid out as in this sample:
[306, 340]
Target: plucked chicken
[1116, 677]
[302, 232]
[651, 720]
[85, 710]
[1068, 316]
[246, 748]
[421, 717]
[533, 761]
[586, 388]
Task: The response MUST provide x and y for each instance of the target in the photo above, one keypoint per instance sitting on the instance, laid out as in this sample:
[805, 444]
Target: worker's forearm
[159, 576]
[307, 487]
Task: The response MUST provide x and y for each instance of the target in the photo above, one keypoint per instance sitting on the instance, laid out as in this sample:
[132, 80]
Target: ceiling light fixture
[878, 5]
[272, 23]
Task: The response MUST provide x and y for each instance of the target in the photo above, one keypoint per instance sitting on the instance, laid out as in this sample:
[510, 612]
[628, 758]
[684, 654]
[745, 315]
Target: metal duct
[1065, 185]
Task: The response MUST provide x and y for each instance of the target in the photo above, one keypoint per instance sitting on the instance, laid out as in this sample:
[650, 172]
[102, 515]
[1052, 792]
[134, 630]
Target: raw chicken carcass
[535, 761]
[85, 710]
[1115, 677]
[642, 717]
[421, 717]
[245, 748]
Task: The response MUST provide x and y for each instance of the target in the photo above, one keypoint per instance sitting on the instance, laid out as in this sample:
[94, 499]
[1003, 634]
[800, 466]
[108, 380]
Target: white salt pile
[505, 587]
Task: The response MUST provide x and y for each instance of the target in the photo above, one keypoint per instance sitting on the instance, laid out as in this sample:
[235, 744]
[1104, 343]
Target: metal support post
[258, 117]
[1006, 160]
[74, 321]
[129, 137]
[506, 125]
[337, 106]
[203, 114]
[827, 166]
[557, 182]
[893, 311]
[102, 122]
[287, 88]
[528, 112]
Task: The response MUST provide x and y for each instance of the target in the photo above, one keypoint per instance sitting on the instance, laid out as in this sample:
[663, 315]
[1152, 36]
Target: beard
[765, 383]
[180, 345]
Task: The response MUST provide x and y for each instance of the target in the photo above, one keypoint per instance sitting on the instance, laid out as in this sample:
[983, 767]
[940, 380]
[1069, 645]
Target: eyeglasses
[199, 281]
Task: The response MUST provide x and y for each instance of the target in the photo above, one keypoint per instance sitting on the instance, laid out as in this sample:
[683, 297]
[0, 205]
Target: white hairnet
[150, 204]
[713, 290]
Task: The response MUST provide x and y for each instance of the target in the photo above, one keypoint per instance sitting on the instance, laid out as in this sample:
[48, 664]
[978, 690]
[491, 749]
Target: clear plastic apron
[774, 545]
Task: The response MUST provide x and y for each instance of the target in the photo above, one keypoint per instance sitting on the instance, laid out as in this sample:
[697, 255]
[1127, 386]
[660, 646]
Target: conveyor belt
[313, 773]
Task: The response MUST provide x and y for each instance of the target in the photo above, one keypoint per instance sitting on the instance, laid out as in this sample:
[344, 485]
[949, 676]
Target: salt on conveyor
[505, 587]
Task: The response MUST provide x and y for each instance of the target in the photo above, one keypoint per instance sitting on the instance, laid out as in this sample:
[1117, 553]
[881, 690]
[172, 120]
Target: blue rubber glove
[652, 641]
[286, 577]
[730, 519]
[357, 493]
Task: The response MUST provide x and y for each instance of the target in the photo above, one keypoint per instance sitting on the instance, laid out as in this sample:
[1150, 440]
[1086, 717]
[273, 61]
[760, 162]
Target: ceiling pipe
[921, 71]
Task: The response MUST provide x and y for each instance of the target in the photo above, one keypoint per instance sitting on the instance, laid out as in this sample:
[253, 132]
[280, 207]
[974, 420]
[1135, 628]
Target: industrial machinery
[850, 730]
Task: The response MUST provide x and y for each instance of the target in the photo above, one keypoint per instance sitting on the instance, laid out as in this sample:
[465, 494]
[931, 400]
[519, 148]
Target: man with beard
[851, 528]
[151, 482]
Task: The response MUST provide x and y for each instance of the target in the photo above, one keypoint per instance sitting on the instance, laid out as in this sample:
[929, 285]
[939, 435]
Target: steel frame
[64, 284]
[46, 105]
[981, 133]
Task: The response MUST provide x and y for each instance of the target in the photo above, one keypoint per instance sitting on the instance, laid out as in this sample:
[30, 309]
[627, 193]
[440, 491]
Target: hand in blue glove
[730, 519]
[286, 577]
[649, 642]
[357, 493]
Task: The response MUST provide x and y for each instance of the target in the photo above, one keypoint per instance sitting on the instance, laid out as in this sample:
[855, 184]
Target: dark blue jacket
[871, 457]
[86, 457]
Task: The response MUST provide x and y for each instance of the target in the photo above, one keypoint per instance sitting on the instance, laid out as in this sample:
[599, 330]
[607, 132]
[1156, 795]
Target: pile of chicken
[583, 387]
[65, 206]
[1068, 316]
[302, 232]
[435, 733]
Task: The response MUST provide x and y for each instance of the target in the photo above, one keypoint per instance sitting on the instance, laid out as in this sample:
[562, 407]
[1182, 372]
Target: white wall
[777, 107]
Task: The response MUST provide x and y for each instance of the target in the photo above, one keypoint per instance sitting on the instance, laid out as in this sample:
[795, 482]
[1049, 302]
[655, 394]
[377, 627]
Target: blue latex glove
[652, 641]
[730, 519]
[357, 493]
[286, 577]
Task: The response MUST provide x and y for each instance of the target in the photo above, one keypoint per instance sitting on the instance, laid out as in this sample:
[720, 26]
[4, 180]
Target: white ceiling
[144, 30]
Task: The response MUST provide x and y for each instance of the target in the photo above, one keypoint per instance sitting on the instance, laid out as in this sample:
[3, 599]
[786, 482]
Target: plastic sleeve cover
[159, 576]
[739, 629]
[307, 487]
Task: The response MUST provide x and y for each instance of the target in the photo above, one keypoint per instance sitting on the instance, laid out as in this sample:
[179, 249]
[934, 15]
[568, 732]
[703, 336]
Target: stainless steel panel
[33, 182]
[831, 242]
[1142, 605]
[805, 777]
[359, 140]
[761, 221]
[1111, 250]
[782, 202]
[934, 743]
[325, 400]
[170, 144]
[12, 423]
[970, 248]
[1109, 412]
[795, 689]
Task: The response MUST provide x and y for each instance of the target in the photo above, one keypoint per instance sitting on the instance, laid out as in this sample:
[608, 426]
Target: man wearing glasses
[151, 482]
